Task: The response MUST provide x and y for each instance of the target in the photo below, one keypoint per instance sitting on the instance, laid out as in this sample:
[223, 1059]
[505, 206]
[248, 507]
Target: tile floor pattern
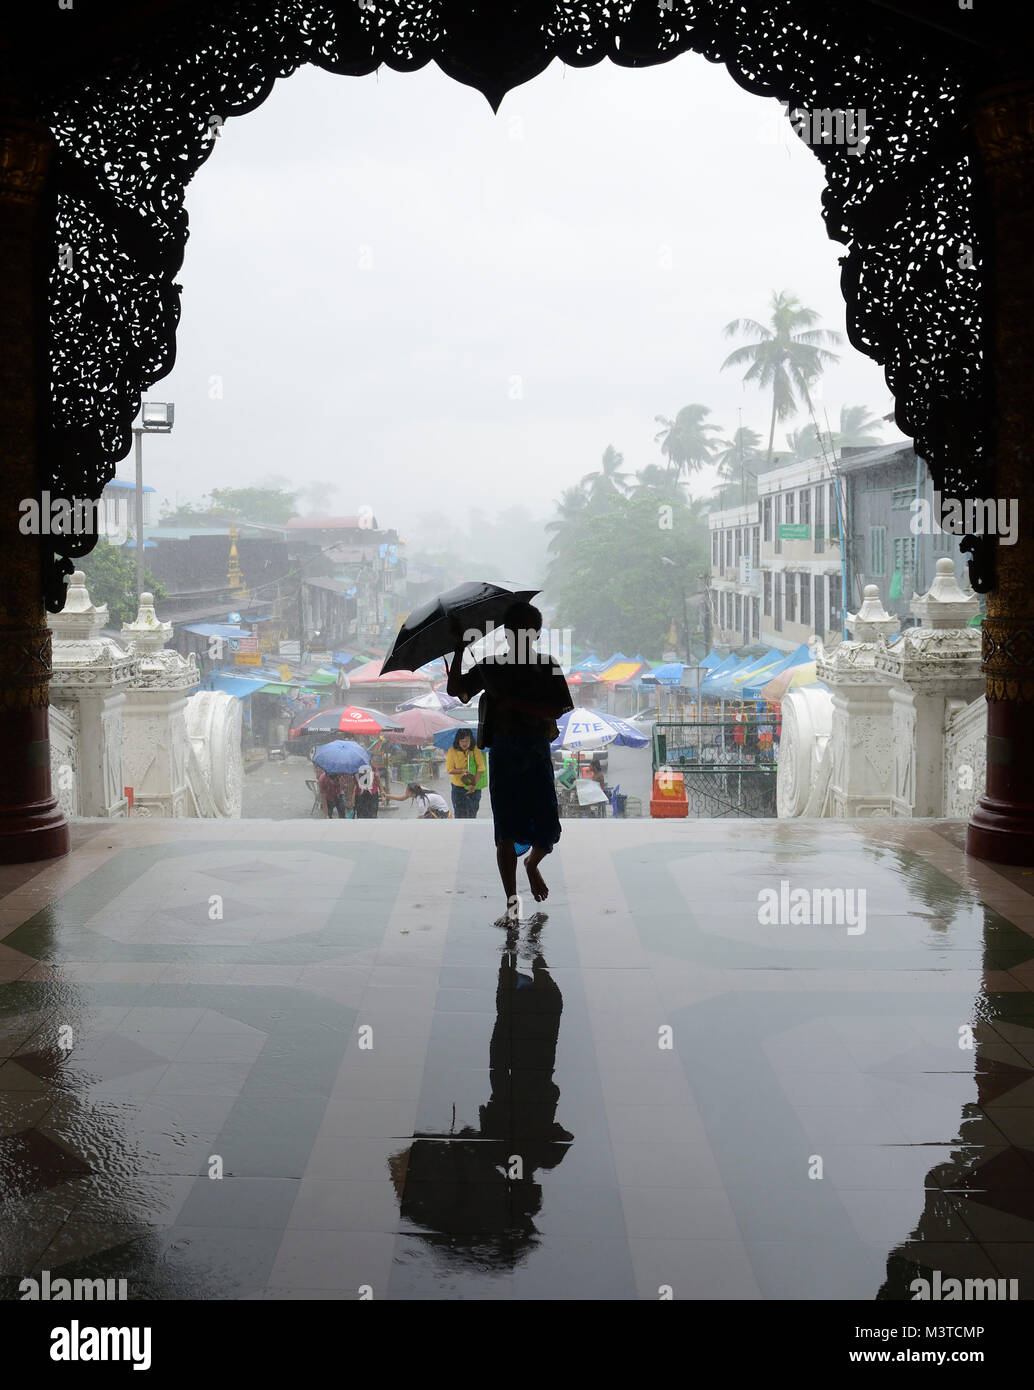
[638, 1094]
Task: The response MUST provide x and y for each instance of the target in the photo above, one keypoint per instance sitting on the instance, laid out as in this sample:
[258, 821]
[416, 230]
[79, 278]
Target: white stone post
[861, 741]
[91, 673]
[930, 669]
[155, 747]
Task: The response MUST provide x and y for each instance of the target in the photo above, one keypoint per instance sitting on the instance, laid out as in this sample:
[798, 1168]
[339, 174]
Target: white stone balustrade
[155, 747]
[904, 716]
[123, 716]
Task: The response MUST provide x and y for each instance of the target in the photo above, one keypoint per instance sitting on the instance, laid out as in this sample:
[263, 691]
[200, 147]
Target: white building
[801, 561]
[735, 580]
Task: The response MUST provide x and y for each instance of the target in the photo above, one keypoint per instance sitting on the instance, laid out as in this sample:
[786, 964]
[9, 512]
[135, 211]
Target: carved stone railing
[900, 731]
[122, 717]
[802, 775]
[215, 768]
[965, 756]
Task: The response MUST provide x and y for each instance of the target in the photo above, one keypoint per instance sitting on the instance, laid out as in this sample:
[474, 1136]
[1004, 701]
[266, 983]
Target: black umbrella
[427, 632]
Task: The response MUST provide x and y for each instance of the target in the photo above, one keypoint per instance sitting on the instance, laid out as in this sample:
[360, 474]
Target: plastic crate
[667, 806]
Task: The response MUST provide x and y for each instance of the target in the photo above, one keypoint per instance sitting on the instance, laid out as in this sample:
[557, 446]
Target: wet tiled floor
[297, 1060]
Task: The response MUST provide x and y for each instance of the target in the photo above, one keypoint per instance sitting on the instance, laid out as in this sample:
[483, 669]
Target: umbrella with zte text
[592, 729]
[428, 631]
[351, 719]
[341, 756]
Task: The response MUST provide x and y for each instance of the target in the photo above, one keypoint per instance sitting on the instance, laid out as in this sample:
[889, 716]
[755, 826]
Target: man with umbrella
[524, 695]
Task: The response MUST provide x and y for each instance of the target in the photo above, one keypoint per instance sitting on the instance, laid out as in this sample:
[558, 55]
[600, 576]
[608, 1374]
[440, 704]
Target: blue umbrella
[341, 756]
[444, 737]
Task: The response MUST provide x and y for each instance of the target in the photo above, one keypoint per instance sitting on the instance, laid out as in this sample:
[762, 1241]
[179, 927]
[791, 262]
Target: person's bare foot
[512, 915]
[539, 890]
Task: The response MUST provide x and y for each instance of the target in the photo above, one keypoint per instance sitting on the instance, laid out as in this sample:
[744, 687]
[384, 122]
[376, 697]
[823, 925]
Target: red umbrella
[351, 719]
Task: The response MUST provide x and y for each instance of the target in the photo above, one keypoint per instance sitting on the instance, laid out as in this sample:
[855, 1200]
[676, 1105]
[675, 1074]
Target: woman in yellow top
[465, 764]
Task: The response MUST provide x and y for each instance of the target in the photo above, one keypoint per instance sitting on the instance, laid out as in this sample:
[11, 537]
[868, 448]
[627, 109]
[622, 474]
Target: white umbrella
[591, 729]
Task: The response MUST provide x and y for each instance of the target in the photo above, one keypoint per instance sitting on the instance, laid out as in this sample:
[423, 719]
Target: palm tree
[806, 443]
[609, 478]
[572, 509]
[685, 441]
[788, 355]
[858, 429]
[655, 480]
[734, 456]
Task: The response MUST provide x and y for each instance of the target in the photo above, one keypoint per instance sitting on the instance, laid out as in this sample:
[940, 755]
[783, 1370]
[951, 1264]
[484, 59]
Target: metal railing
[728, 766]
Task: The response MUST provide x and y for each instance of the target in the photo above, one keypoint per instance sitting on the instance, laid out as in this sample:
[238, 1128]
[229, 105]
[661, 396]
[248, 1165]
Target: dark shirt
[540, 681]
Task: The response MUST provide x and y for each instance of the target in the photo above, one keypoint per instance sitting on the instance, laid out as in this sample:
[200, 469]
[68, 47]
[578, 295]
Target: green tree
[272, 506]
[658, 483]
[806, 442]
[787, 358]
[737, 459]
[607, 579]
[858, 429]
[268, 505]
[609, 478]
[686, 441]
[110, 572]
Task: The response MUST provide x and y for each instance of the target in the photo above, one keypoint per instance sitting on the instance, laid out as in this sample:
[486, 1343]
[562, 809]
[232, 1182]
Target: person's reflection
[987, 1176]
[477, 1187]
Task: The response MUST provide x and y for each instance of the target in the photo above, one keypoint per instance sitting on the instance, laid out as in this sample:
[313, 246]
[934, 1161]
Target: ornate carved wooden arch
[133, 131]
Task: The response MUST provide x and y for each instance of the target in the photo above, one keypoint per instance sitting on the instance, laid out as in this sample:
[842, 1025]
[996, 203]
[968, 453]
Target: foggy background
[394, 298]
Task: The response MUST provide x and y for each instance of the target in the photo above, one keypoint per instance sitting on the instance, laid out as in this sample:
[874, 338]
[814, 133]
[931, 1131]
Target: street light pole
[705, 580]
[138, 524]
[156, 417]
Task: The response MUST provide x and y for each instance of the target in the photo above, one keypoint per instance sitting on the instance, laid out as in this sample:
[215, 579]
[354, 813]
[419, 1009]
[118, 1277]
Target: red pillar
[1002, 826]
[32, 825]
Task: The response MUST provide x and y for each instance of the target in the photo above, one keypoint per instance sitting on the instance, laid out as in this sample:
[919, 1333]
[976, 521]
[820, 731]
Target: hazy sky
[431, 305]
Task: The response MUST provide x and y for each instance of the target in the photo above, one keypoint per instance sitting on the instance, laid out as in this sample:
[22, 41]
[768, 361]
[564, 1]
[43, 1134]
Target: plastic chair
[612, 797]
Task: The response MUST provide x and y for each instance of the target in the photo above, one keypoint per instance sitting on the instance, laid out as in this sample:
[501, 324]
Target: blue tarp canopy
[671, 674]
[239, 686]
[752, 688]
[588, 663]
[724, 683]
[727, 664]
[217, 630]
[711, 660]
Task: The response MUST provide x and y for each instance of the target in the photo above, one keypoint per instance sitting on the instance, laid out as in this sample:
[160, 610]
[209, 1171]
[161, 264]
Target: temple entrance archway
[108, 117]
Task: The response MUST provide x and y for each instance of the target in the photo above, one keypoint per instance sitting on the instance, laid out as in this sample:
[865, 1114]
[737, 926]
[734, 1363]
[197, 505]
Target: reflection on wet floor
[348, 1080]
